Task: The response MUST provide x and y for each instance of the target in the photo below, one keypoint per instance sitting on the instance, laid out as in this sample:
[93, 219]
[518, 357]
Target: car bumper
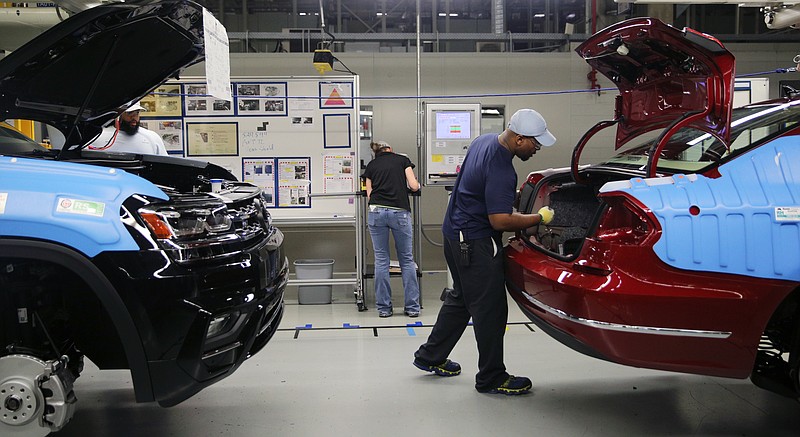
[654, 317]
[199, 322]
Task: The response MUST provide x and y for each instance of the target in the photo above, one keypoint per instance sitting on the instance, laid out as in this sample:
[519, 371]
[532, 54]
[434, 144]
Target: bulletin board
[295, 137]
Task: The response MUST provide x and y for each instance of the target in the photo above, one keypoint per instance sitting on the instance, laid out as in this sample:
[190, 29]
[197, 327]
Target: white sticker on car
[3, 199]
[787, 213]
[81, 207]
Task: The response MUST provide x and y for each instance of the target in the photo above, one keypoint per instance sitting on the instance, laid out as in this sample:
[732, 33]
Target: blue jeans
[380, 221]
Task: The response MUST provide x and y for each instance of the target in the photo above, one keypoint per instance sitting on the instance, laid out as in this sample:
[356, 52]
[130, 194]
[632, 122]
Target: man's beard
[126, 127]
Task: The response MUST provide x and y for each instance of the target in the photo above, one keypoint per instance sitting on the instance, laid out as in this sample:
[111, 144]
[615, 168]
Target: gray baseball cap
[529, 123]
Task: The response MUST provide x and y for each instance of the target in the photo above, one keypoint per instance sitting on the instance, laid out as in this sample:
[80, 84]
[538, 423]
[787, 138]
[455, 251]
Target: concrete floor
[350, 382]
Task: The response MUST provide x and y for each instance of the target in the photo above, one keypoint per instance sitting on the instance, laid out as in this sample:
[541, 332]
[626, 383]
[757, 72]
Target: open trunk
[576, 207]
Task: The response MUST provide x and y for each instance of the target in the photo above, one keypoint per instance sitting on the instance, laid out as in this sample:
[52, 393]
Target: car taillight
[525, 192]
[534, 178]
[625, 221]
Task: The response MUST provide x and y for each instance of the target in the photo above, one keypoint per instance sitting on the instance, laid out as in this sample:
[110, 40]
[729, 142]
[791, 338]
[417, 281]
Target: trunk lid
[667, 78]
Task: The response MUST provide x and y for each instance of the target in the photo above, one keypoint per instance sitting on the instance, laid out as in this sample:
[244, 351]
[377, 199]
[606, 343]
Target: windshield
[691, 150]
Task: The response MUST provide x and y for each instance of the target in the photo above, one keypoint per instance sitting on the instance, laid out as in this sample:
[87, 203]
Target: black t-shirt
[388, 175]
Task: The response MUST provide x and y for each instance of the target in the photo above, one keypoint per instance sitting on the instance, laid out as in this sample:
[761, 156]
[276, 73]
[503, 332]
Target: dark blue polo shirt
[486, 184]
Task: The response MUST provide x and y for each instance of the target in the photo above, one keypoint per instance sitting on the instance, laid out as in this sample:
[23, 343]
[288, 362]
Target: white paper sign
[218, 63]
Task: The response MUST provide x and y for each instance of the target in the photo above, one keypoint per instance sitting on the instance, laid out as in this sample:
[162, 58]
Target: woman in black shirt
[388, 178]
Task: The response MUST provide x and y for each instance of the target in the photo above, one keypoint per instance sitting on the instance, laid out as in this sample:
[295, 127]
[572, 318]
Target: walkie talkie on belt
[465, 250]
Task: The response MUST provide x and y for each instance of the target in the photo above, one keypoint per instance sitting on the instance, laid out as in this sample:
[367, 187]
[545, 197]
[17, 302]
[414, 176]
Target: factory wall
[389, 85]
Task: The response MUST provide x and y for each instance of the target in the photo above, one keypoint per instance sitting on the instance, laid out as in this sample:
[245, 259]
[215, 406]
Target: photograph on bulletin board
[261, 172]
[294, 184]
[170, 131]
[212, 139]
[338, 173]
[336, 131]
[164, 101]
[336, 95]
[260, 98]
[197, 102]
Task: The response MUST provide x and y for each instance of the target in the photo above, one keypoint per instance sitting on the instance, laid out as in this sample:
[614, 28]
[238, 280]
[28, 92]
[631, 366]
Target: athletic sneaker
[448, 368]
[384, 314]
[412, 314]
[514, 385]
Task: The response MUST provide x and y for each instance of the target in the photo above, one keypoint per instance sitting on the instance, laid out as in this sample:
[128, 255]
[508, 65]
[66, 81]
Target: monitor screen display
[453, 125]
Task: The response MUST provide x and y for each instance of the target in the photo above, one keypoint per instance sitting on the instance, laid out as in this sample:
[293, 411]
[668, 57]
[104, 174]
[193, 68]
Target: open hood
[80, 73]
[664, 76]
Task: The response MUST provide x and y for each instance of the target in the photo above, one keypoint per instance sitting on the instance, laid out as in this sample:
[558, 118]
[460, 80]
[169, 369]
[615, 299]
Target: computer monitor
[453, 125]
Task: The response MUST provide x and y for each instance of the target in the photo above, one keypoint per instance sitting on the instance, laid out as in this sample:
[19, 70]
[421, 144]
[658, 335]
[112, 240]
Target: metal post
[339, 27]
[244, 24]
[360, 211]
[417, 212]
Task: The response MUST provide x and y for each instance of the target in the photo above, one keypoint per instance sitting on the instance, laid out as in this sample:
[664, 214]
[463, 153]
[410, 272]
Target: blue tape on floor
[410, 329]
[347, 325]
[308, 326]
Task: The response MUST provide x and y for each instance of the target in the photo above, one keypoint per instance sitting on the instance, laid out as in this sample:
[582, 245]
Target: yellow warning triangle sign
[335, 99]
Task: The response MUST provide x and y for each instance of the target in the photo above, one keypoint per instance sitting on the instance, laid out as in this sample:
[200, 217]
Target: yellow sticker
[437, 158]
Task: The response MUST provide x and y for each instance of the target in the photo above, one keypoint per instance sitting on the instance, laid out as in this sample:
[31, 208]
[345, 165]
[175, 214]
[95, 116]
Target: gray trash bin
[314, 269]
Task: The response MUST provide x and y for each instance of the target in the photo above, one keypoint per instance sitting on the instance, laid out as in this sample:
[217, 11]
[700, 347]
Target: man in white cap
[480, 210]
[128, 136]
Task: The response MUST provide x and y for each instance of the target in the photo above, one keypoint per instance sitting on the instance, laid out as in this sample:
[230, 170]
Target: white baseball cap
[136, 107]
[529, 123]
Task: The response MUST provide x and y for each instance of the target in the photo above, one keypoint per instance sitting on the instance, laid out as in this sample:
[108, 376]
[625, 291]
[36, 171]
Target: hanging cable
[110, 142]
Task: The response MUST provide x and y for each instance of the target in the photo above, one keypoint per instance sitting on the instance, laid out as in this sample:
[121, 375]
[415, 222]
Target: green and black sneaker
[514, 385]
[448, 368]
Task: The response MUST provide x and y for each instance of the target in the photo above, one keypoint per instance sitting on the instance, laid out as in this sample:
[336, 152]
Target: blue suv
[129, 260]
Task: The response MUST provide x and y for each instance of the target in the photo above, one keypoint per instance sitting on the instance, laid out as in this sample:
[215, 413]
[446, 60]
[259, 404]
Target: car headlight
[172, 223]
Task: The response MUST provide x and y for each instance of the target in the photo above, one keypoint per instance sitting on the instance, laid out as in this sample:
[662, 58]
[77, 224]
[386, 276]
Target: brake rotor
[21, 401]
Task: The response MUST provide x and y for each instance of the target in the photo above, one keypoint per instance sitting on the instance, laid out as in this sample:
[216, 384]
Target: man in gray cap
[480, 210]
[126, 135]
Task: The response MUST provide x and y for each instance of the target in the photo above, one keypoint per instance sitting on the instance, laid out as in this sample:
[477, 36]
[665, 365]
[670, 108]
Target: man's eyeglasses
[533, 140]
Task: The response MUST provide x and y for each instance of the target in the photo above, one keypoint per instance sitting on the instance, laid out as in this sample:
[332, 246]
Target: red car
[682, 251]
